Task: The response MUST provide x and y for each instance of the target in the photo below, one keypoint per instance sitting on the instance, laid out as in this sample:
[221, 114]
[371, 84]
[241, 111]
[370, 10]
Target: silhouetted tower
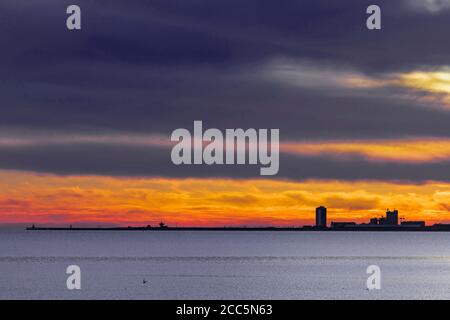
[392, 217]
[162, 225]
[321, 217]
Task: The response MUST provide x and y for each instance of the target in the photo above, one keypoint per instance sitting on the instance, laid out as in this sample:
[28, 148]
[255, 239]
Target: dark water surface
[223, 265]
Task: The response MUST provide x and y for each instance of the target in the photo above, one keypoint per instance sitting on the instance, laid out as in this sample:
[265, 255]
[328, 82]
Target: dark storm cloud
[160, 32]
[150, 66]
[221, 102]
[154, 66]
[116, 160]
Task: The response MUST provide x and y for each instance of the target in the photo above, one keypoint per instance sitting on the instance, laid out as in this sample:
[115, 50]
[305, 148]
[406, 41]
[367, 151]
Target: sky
[86, 116]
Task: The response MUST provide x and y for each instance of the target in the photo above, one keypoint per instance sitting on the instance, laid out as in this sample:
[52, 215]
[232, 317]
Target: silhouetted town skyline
[390, 222]
[391, 219]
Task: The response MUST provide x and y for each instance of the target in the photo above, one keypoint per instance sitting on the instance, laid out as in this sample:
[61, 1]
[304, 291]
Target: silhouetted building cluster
[388, 222]
[391, 219]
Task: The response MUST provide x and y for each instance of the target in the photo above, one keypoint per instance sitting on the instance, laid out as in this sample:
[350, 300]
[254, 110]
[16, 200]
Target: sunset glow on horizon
[90, 200]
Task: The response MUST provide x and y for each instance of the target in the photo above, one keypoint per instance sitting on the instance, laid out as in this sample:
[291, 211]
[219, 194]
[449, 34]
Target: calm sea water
[223, 265]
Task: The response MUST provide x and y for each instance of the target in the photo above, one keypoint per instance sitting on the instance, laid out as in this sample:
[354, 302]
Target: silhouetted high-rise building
[321, 217]
[392, 217]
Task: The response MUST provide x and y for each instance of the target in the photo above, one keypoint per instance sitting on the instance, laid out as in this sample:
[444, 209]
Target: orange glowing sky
[418, 150]
[91, 200]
